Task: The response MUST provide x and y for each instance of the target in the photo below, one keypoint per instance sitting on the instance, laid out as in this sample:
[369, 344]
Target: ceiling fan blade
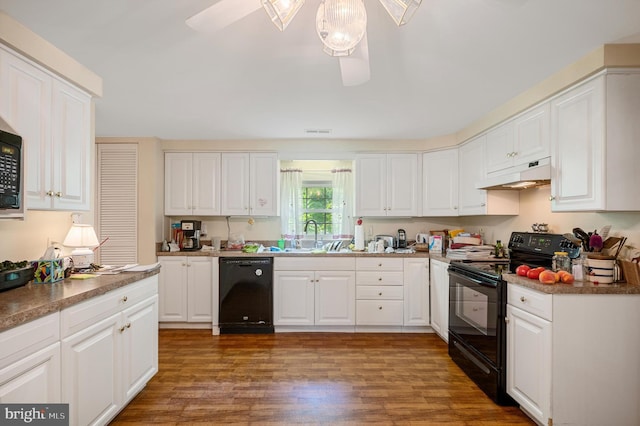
[355, 67]
[222, 14]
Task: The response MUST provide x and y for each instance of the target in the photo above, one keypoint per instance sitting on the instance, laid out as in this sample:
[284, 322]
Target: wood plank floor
[311, 378]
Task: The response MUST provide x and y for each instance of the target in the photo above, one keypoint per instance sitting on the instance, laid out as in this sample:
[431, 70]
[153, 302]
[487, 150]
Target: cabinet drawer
[379, 312]
[310, 263]
[84, 314]
[379, 292]
[379, 278]
[531, 301]
[379, 264]
[18, 342]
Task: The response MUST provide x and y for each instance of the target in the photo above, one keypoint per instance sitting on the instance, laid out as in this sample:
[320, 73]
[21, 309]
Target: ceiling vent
[317, 131]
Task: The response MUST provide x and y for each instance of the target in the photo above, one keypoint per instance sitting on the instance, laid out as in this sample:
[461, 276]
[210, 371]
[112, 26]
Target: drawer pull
[380, 308]
[380, 279]
[523, 299]
[124, 299]
[380, 294]
[380, 265]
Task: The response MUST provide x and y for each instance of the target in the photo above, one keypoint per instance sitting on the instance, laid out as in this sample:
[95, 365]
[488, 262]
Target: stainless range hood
[533, 174]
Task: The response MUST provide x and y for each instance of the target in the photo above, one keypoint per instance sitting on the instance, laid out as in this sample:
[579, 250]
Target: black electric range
[478, 304]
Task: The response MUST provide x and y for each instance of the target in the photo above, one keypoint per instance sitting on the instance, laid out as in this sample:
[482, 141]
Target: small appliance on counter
[190, 234]
[389, 240]
[402, 239]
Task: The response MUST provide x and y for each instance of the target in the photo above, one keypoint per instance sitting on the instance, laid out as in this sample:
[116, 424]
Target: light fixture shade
[401, 10]
[81, 235]
[341, 24]
[282, 12]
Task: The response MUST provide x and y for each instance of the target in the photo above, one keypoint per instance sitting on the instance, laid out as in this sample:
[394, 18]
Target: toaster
[389, 240]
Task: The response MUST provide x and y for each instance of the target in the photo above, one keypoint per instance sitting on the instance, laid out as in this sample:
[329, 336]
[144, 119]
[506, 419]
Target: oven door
[474, 314]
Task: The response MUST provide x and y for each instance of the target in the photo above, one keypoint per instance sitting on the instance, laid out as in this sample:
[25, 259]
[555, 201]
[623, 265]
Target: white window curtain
[291, 203]
[342, 203]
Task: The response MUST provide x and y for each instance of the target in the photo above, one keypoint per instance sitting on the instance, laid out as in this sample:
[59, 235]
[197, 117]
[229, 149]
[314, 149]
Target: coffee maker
[190, 234]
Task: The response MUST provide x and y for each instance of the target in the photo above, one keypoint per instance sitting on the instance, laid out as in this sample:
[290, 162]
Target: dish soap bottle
[499, 250]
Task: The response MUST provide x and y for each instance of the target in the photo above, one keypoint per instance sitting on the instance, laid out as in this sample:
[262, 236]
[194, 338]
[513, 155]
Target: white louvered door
[117, 203]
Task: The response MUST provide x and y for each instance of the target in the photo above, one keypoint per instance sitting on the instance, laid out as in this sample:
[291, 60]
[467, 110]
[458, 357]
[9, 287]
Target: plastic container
[561, 262]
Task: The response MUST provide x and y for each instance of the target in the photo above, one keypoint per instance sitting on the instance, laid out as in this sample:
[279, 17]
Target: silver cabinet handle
[551, 198]
[49, 193]
[124, 299]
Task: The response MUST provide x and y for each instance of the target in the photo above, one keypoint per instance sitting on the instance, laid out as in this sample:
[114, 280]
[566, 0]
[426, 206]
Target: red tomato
[522, 270]
[534, 274]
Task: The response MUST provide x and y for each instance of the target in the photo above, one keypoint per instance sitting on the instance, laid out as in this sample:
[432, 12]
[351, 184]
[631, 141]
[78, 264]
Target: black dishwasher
[246, 295]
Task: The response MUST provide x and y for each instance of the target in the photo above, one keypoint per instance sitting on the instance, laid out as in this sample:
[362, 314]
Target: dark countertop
[23, 304]
[578, 287]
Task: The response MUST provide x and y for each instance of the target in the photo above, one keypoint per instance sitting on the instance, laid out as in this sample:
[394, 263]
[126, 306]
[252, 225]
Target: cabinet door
[440, 298]
[440, 183]
[577, 140]
[71, 143]
[199, 288]
[403, 185]
[26, 103]
[206, 184]
[33, 379]
[416, 291]
[371, 185]
[172, 289]
[177, 183]
[91, 372]
[472, 201]
[529, 362]
[499, 151]
[264, 184]
[531, 131]
[235, 184]
[335, 298]
[139, 346]
[293, 298]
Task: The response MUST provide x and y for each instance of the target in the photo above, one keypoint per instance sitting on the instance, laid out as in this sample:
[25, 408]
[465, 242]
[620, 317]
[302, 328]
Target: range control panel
[547, 244]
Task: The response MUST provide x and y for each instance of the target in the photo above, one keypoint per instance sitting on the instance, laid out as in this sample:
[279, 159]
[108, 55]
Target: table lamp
[81, 237]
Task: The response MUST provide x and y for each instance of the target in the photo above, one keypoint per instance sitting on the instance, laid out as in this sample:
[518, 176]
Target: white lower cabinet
[439, 285]
[109, 351]
[416, 291]
[572, 359]
[185, 289]
[314, 292]
[30, 362]
[380, 296]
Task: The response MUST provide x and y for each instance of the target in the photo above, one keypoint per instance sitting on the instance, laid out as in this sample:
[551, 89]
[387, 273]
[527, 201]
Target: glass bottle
[561, 262]
[499, 250]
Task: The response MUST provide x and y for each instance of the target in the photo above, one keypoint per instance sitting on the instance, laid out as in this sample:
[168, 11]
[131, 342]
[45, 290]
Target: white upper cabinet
[54, 119]
[440, 183]
[250, 184]
[594, 140]
[520, 140]
[387, 185]
[192, 183]
[472, 169]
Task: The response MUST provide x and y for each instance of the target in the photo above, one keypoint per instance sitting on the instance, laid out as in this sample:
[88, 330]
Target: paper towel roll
[359, 238]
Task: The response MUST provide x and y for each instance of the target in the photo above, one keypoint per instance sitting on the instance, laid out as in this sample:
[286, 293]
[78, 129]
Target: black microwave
[10, 173]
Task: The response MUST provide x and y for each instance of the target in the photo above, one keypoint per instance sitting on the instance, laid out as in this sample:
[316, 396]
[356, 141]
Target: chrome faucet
[315, 225]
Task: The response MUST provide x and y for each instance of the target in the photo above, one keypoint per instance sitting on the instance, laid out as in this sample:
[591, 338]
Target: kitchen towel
[359, 238]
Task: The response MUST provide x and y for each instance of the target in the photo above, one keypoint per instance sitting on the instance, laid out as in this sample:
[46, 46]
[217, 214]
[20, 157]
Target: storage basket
[421, 247]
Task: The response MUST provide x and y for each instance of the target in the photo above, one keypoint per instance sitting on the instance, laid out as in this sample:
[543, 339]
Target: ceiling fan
[340, 24]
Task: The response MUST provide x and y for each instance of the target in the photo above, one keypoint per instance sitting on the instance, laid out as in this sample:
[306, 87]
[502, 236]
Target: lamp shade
[341, 24]
[401, 10]
[81, 235]
[282, 12]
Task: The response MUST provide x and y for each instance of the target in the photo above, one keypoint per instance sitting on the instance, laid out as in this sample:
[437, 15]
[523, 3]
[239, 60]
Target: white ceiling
[454, 62]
